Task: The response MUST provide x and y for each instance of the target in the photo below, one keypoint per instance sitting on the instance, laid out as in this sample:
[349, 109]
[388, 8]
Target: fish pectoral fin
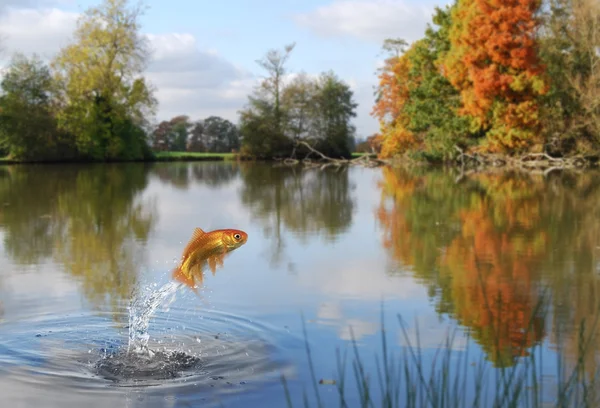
[196, 272]
[212, 263]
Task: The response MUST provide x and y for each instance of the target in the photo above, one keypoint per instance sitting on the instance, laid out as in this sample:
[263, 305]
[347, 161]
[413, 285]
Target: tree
[433, 103]
[569, 41]
[104, 99]
[280, 114]
[172, 135]
[395, 46]
[27, 126]
[334, 109]
[274, 63]
[196, 142]
[493, 62]
[220, 135]
[180, 126]
[161, 136]
[392, 95]
[297, 99]
[261, 121]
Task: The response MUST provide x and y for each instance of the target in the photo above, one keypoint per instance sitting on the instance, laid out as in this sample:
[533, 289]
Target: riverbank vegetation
[282, 113]
[490, 77]
[93, 103]
[490, 82]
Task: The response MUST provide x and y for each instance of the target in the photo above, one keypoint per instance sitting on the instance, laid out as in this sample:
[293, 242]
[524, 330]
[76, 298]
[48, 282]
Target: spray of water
[141, 309]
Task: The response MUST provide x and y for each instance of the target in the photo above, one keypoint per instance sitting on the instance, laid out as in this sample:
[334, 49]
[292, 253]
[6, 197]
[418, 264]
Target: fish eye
[237, 236]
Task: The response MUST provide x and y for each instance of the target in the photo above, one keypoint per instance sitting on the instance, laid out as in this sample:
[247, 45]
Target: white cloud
[195, 82]
[365, 124]
[41, 31]
[353, 278]
[371, 20]
[187, 80]
[331, 314]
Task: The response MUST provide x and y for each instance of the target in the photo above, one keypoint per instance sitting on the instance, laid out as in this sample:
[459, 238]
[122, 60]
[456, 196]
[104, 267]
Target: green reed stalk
[403, 382]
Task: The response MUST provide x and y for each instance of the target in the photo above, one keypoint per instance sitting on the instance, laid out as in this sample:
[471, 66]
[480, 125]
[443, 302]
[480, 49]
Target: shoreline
[155, 159]
[159, 157]
[465, 163]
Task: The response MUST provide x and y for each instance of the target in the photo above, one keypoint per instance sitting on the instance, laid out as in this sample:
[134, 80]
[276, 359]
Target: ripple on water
[193, 352]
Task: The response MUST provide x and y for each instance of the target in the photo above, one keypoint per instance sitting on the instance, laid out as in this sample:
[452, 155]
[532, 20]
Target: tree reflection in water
[88, 218]
[307, 202]
[488, 246]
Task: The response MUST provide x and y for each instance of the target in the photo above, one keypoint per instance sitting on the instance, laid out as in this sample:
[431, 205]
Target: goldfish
[206, 248]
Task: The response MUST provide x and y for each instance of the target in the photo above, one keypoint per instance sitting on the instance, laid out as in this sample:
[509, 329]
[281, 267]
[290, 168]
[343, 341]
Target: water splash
[141, 310]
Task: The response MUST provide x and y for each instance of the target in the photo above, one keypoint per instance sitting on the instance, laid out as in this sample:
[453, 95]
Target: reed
[404, 379]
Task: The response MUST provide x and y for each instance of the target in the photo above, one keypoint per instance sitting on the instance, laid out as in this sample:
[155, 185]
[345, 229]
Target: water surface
[475, 253]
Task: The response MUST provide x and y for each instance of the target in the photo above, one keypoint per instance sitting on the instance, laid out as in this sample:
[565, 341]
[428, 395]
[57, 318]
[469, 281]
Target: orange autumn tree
[492, 61]
[393, 94]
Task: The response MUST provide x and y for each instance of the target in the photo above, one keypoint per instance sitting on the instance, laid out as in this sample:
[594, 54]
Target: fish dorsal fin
[198, 232]
[196, 235]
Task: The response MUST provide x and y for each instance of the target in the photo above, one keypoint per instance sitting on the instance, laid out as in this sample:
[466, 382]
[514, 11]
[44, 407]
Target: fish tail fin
[179, 275]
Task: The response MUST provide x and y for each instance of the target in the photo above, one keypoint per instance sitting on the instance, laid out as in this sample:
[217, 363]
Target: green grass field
[183, 156]
[180, 156]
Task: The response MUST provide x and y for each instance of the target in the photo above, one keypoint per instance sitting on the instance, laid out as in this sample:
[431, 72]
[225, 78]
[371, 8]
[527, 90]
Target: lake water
[473, 256]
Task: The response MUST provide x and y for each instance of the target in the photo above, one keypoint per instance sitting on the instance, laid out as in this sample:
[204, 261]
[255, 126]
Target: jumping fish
[206, 248]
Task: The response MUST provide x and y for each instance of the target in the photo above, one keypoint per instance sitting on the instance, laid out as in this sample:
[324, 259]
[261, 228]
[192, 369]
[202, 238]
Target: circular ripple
[194, 352]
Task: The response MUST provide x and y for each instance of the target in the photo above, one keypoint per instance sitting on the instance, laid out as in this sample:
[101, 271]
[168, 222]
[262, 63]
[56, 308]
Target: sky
[205, 51]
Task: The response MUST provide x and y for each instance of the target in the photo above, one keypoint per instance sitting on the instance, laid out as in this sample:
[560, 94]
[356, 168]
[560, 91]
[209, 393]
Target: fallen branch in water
[325, 161]
[530, 161]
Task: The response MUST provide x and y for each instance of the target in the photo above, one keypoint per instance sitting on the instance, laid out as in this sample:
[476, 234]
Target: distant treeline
[213, 134]
[495, 77]
[92, 102]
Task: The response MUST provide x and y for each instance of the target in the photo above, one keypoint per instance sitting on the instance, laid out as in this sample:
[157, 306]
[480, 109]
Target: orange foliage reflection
[478, 245]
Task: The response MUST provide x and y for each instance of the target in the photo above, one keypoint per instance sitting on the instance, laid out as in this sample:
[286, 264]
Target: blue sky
[206, 51]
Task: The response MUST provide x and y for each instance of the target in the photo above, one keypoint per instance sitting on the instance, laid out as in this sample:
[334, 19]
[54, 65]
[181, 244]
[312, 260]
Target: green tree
[274, 63]
[220, 135]
[569, 42]
[433, 103]
[104, 99]
[196, 142]
[334, 110]
[297, 99]
[28, 129]
[180, 126]
[172, 135]
[261, 122]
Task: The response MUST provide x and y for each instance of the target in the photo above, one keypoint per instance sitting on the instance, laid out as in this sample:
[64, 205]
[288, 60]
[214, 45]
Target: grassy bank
[193, 156]
[158, 157]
